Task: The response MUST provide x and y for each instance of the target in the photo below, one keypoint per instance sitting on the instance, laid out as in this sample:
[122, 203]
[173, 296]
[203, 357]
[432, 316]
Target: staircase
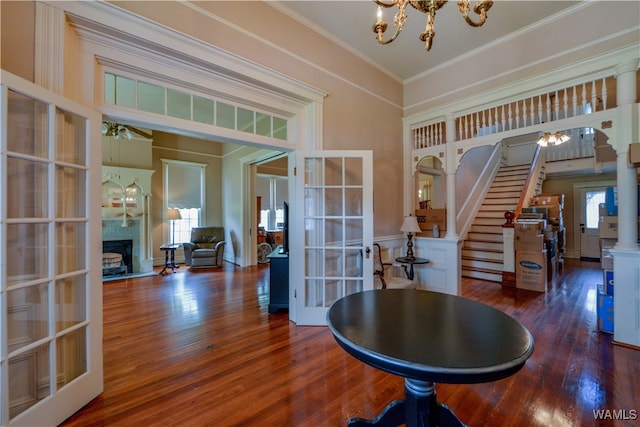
[482, 251]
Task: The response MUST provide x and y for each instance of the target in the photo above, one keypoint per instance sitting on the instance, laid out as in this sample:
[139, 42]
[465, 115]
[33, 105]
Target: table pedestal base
[419, 408]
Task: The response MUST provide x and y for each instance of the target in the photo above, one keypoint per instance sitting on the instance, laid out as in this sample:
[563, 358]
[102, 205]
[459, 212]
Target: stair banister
[529, 188]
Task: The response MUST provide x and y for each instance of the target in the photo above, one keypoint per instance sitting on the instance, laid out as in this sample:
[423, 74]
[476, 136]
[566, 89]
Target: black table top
[430, 336]
[407, 260]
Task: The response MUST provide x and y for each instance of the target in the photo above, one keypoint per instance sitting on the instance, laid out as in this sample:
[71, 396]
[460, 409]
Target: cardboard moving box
[428, 218]
[531, 270]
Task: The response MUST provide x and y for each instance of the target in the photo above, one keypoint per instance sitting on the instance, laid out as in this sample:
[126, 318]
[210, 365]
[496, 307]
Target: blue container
[605, 313]
[611, 201]
[608, 282]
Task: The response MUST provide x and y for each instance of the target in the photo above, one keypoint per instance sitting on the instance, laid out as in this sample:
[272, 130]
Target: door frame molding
[577, 211]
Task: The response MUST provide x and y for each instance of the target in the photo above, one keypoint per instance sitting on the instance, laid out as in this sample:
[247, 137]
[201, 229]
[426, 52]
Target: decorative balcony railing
[580, 99]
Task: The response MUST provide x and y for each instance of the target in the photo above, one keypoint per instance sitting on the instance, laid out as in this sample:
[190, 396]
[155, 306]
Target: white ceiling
[349, 23]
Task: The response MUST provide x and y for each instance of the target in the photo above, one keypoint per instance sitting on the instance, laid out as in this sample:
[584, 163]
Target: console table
[278, 280]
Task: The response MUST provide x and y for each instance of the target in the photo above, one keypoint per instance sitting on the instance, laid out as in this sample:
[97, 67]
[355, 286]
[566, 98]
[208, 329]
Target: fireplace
[123, 247]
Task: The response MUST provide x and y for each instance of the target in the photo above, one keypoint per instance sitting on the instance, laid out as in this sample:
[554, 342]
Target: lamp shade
[410, 225]
[173, 213]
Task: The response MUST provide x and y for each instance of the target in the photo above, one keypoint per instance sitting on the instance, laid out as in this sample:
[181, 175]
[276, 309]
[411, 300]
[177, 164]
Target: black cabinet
[278, 280]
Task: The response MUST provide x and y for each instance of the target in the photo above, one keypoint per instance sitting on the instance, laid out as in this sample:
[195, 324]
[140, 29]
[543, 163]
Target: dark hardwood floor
[198, 348]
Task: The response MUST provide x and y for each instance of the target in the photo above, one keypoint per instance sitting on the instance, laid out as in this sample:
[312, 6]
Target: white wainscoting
[441, 274]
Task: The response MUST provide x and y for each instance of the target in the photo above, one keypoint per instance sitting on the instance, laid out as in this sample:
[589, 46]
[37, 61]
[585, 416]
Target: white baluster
[574, 101]
[565, 102]
[540, 109]
[594, 97]
[532, 112]
[460, 128]
[604, 93]
[584, 98]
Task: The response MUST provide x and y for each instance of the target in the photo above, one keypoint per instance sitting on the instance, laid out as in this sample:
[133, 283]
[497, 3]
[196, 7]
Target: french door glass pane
[28, 311]
[353, 201]
[333, 231]
[29, 376]
[71, 297]
[28, 133]
[333, 171]
[71, 240]
[28, 245]
[333, 202]
[70, 183]
[353, 171]
[70, 139]
[29, 199]
[72, 356]
[354, 231]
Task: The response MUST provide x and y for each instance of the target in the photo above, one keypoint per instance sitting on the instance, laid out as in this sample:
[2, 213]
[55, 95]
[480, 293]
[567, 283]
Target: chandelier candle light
[410, 226]
[552, 139]
[429, 7]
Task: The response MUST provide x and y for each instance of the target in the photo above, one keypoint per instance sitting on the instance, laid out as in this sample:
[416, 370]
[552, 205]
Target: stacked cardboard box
[531, 256]
[430, 218]
[553, 206]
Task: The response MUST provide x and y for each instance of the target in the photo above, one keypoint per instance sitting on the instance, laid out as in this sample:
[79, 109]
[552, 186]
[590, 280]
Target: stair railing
[530, 184]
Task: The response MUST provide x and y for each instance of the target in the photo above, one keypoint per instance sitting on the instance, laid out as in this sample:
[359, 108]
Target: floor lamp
[173, 215]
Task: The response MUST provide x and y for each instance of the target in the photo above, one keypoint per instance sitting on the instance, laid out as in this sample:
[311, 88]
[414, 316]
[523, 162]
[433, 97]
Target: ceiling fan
[121, 131]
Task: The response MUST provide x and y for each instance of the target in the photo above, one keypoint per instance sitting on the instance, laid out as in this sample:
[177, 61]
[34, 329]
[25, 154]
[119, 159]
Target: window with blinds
[274, 192]
[184, 189]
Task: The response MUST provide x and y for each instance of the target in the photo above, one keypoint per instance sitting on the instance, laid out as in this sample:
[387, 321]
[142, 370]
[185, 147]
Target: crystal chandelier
[551, 139]
[429, 7]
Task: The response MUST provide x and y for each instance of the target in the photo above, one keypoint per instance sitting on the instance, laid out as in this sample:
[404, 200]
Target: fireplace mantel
[136, 225]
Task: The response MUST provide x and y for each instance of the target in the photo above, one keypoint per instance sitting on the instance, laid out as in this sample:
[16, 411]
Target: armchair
[387, 282]
[206, 248]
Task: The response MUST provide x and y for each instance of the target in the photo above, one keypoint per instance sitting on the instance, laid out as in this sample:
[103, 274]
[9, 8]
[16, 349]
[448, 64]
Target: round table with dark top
[427, 337]
[411, 261]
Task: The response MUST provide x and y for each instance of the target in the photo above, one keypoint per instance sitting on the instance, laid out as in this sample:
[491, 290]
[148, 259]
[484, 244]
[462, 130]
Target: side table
[411, 262]
[169, 258]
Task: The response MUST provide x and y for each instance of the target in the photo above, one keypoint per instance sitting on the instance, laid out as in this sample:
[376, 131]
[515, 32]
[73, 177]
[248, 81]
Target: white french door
[332, 234]
[50, 274]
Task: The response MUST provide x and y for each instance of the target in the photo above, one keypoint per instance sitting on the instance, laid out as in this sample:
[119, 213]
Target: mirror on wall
[430, 184]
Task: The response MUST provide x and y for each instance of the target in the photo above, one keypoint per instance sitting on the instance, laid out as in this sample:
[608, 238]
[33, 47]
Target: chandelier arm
[398, 21]
[385, 4]
[480, 8]
[429, 31]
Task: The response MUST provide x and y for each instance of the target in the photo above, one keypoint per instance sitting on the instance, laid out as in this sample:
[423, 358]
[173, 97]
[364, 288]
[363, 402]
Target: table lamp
[173, 214]
[410, 226]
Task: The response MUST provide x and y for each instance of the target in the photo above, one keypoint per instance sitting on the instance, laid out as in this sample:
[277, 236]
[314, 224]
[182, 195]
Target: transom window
[154, 98]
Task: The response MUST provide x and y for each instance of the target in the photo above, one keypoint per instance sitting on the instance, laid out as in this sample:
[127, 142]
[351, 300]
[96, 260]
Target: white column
[452, 232]
[626, 254]
[627, 132]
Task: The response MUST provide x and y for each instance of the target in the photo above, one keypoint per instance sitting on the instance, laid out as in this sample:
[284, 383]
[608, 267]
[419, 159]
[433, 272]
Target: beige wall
[17, 35]
[363, 106]
[184, 148]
